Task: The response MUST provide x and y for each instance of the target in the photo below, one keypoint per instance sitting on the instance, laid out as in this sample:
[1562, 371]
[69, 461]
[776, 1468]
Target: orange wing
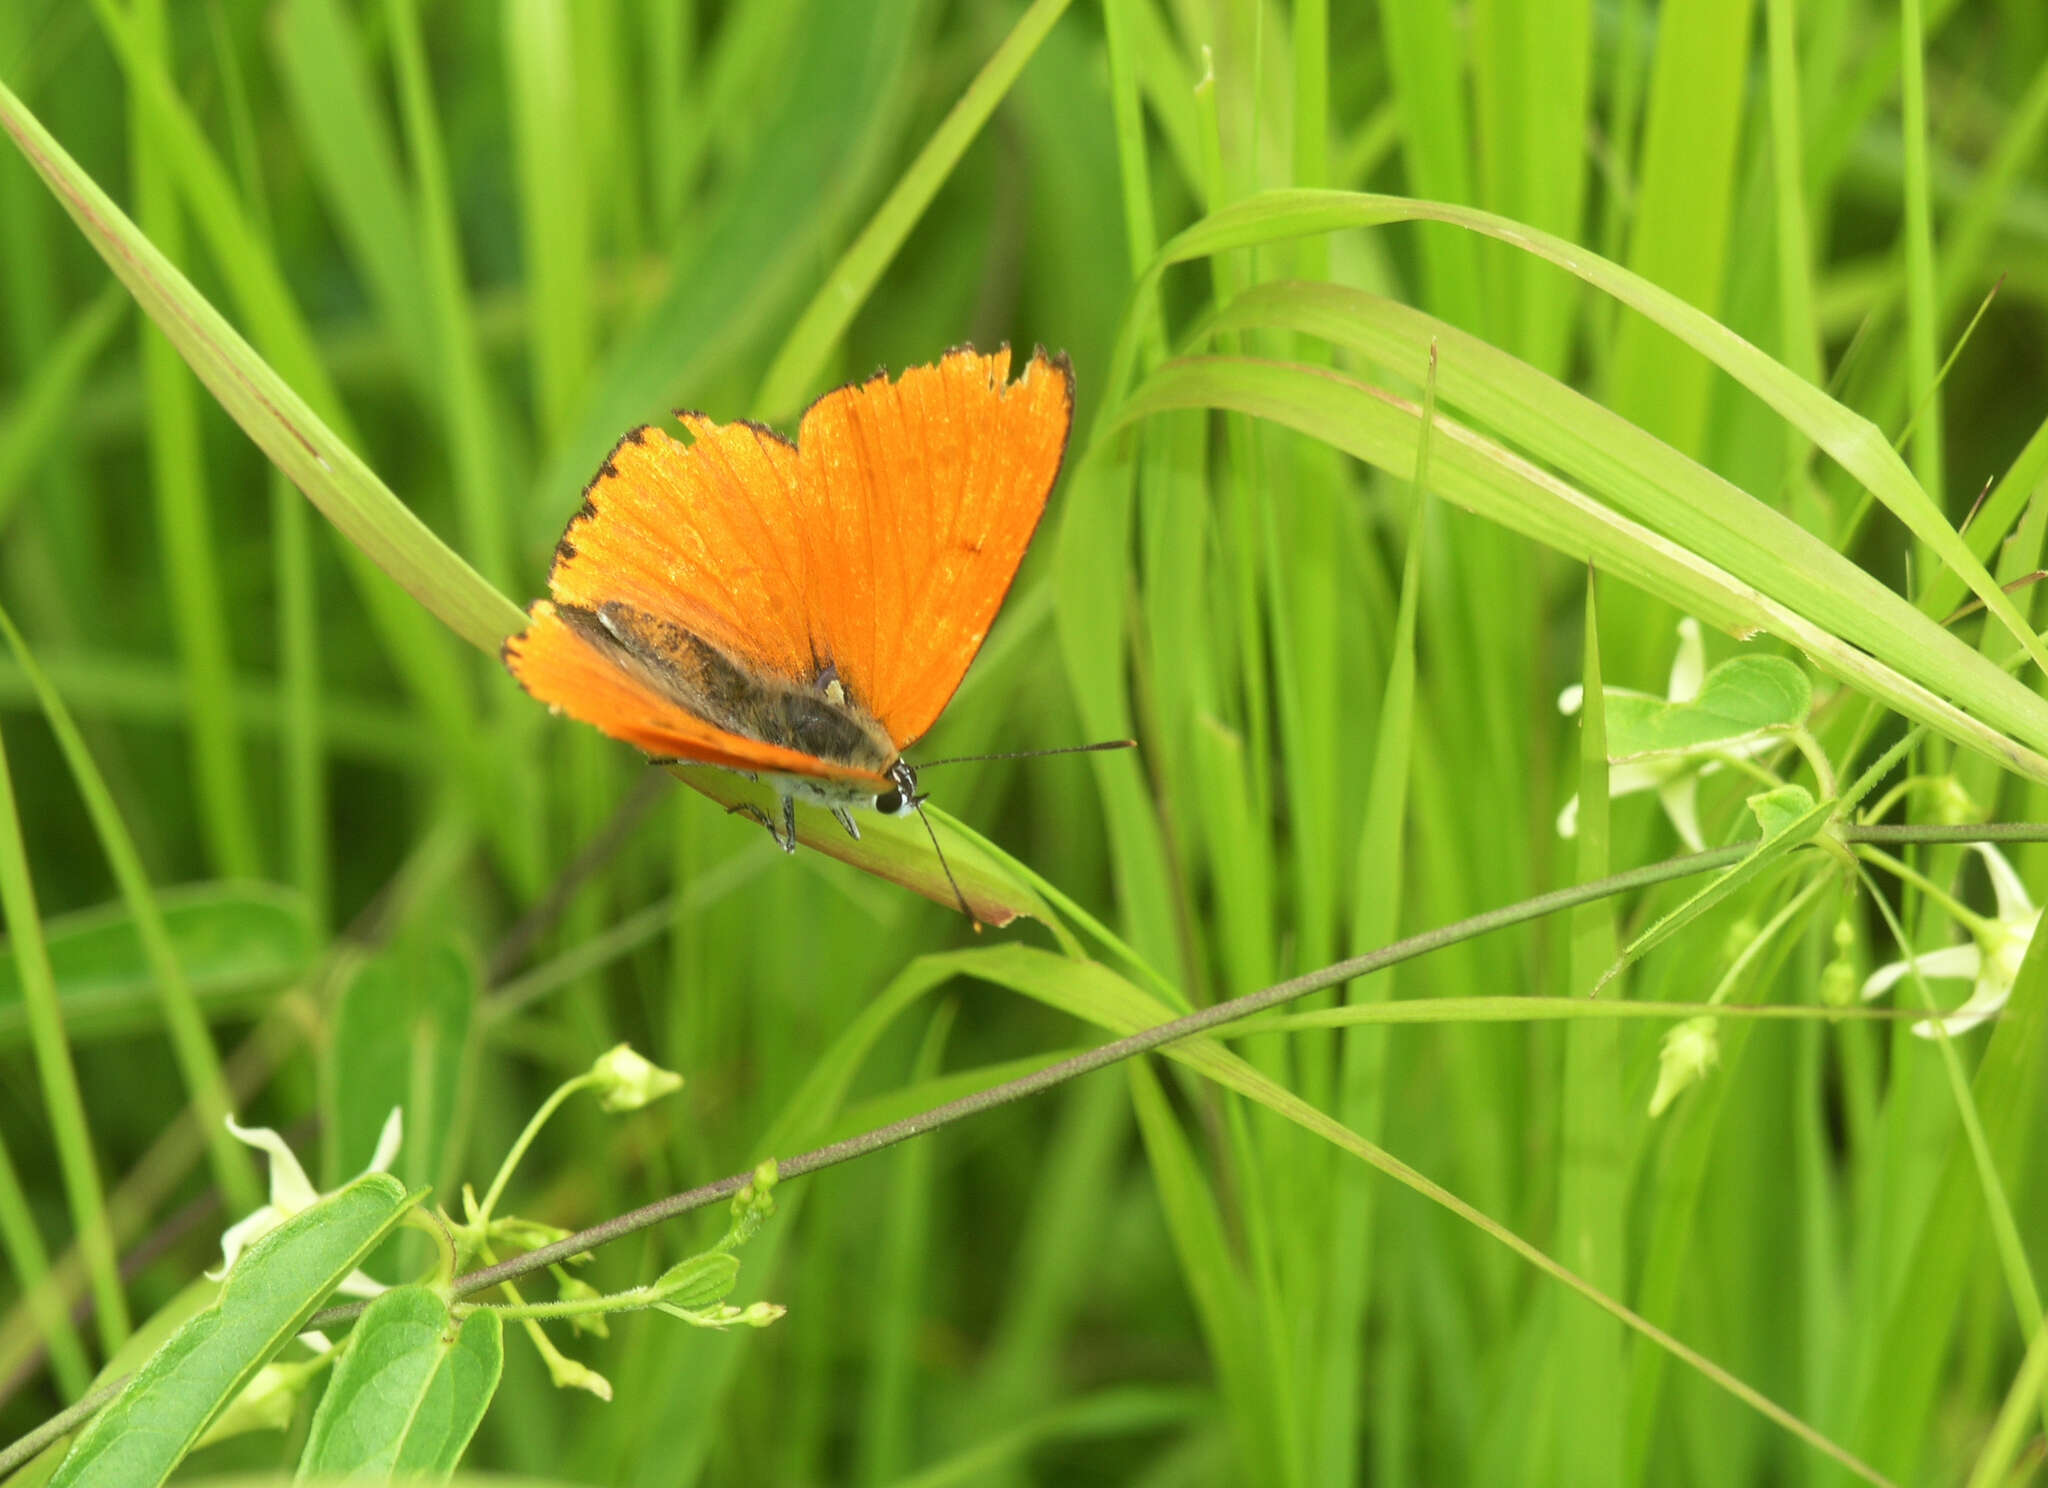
[704, 535]
[919, 498]
[564, 669]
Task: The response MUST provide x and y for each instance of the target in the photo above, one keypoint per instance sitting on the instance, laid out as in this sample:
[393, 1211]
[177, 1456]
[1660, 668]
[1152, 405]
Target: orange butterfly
[801, 612]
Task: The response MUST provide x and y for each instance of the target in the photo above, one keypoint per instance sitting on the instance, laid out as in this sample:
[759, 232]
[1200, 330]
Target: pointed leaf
[266, 1299]
[1740, 699]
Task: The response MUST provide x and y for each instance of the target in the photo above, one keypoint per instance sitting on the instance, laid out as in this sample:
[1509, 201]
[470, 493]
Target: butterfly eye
[890, 803]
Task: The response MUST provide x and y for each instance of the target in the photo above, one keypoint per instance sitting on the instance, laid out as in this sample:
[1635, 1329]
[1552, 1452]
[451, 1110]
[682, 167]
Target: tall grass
[1431, 360]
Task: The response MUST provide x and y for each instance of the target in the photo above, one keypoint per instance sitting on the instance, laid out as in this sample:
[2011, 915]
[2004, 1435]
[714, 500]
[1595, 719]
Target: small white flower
[626, 1081]
[1675, 778]
[291, 1192]
[1991, 959]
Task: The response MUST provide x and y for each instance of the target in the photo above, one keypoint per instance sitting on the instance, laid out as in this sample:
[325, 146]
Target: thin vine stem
[1146, 1040]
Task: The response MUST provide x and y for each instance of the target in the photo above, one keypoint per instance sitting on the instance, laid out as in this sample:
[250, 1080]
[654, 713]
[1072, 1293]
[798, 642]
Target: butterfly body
[800, 612]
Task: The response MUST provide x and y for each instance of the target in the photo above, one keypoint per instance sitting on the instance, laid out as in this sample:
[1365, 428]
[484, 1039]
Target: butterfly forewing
[704, 536]
[921, 496]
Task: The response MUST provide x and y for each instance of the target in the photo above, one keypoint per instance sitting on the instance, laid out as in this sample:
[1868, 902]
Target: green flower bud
[626, 1082]
[1690, 1051]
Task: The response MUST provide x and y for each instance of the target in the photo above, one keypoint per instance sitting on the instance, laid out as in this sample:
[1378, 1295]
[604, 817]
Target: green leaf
[1786, 830]
[235, 942]
[700, 1280]
[1741, 698]
[1778, 811]
[265, 1300]
[409, 1391]
[401, 1031]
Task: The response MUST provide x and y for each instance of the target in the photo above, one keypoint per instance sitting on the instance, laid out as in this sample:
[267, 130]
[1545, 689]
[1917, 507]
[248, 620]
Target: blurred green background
[481, 239]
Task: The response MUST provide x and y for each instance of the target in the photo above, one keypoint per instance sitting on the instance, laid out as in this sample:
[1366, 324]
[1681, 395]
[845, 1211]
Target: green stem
[1145, 1041]
[1763, 937]
[1975, 923]
[548, 1107]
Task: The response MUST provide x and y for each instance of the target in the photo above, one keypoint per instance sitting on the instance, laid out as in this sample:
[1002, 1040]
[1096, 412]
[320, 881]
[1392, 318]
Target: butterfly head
[901, 798]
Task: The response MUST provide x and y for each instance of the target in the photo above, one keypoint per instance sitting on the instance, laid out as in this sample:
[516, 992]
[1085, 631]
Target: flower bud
[1690, 1051]
[626, 1082]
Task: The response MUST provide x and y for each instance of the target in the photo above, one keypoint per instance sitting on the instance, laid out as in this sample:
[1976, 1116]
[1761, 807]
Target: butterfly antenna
[966, 759]
[958, 897]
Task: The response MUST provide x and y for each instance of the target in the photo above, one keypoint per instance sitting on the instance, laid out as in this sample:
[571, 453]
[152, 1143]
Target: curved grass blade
[1852, 440]
[797, 365]
[1481, 476]
[1647, 479]
[298, 442]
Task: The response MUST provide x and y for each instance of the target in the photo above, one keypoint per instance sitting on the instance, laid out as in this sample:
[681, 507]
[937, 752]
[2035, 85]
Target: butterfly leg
[784, 839]
[846, 821]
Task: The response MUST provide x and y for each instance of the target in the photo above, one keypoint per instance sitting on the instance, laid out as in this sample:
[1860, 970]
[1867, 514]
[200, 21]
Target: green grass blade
[185, 522]
[1211, 1273]
[1378, 894]
[1923, 311]
[838, 106]
[280, 422]
[555, 210]
[1684, 211]
[887, 1433]
[1425, 56]
[1531, 71]
[1592, 1194]
[1474, 473]
[1848, 437]
[795, 372]
[70, 1129]
[348, 144]
[459, 373]
[198, 1061]
[1092, 992]
[29, 1264]
[1652, 482]
[1094, 536]
[37, 417]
